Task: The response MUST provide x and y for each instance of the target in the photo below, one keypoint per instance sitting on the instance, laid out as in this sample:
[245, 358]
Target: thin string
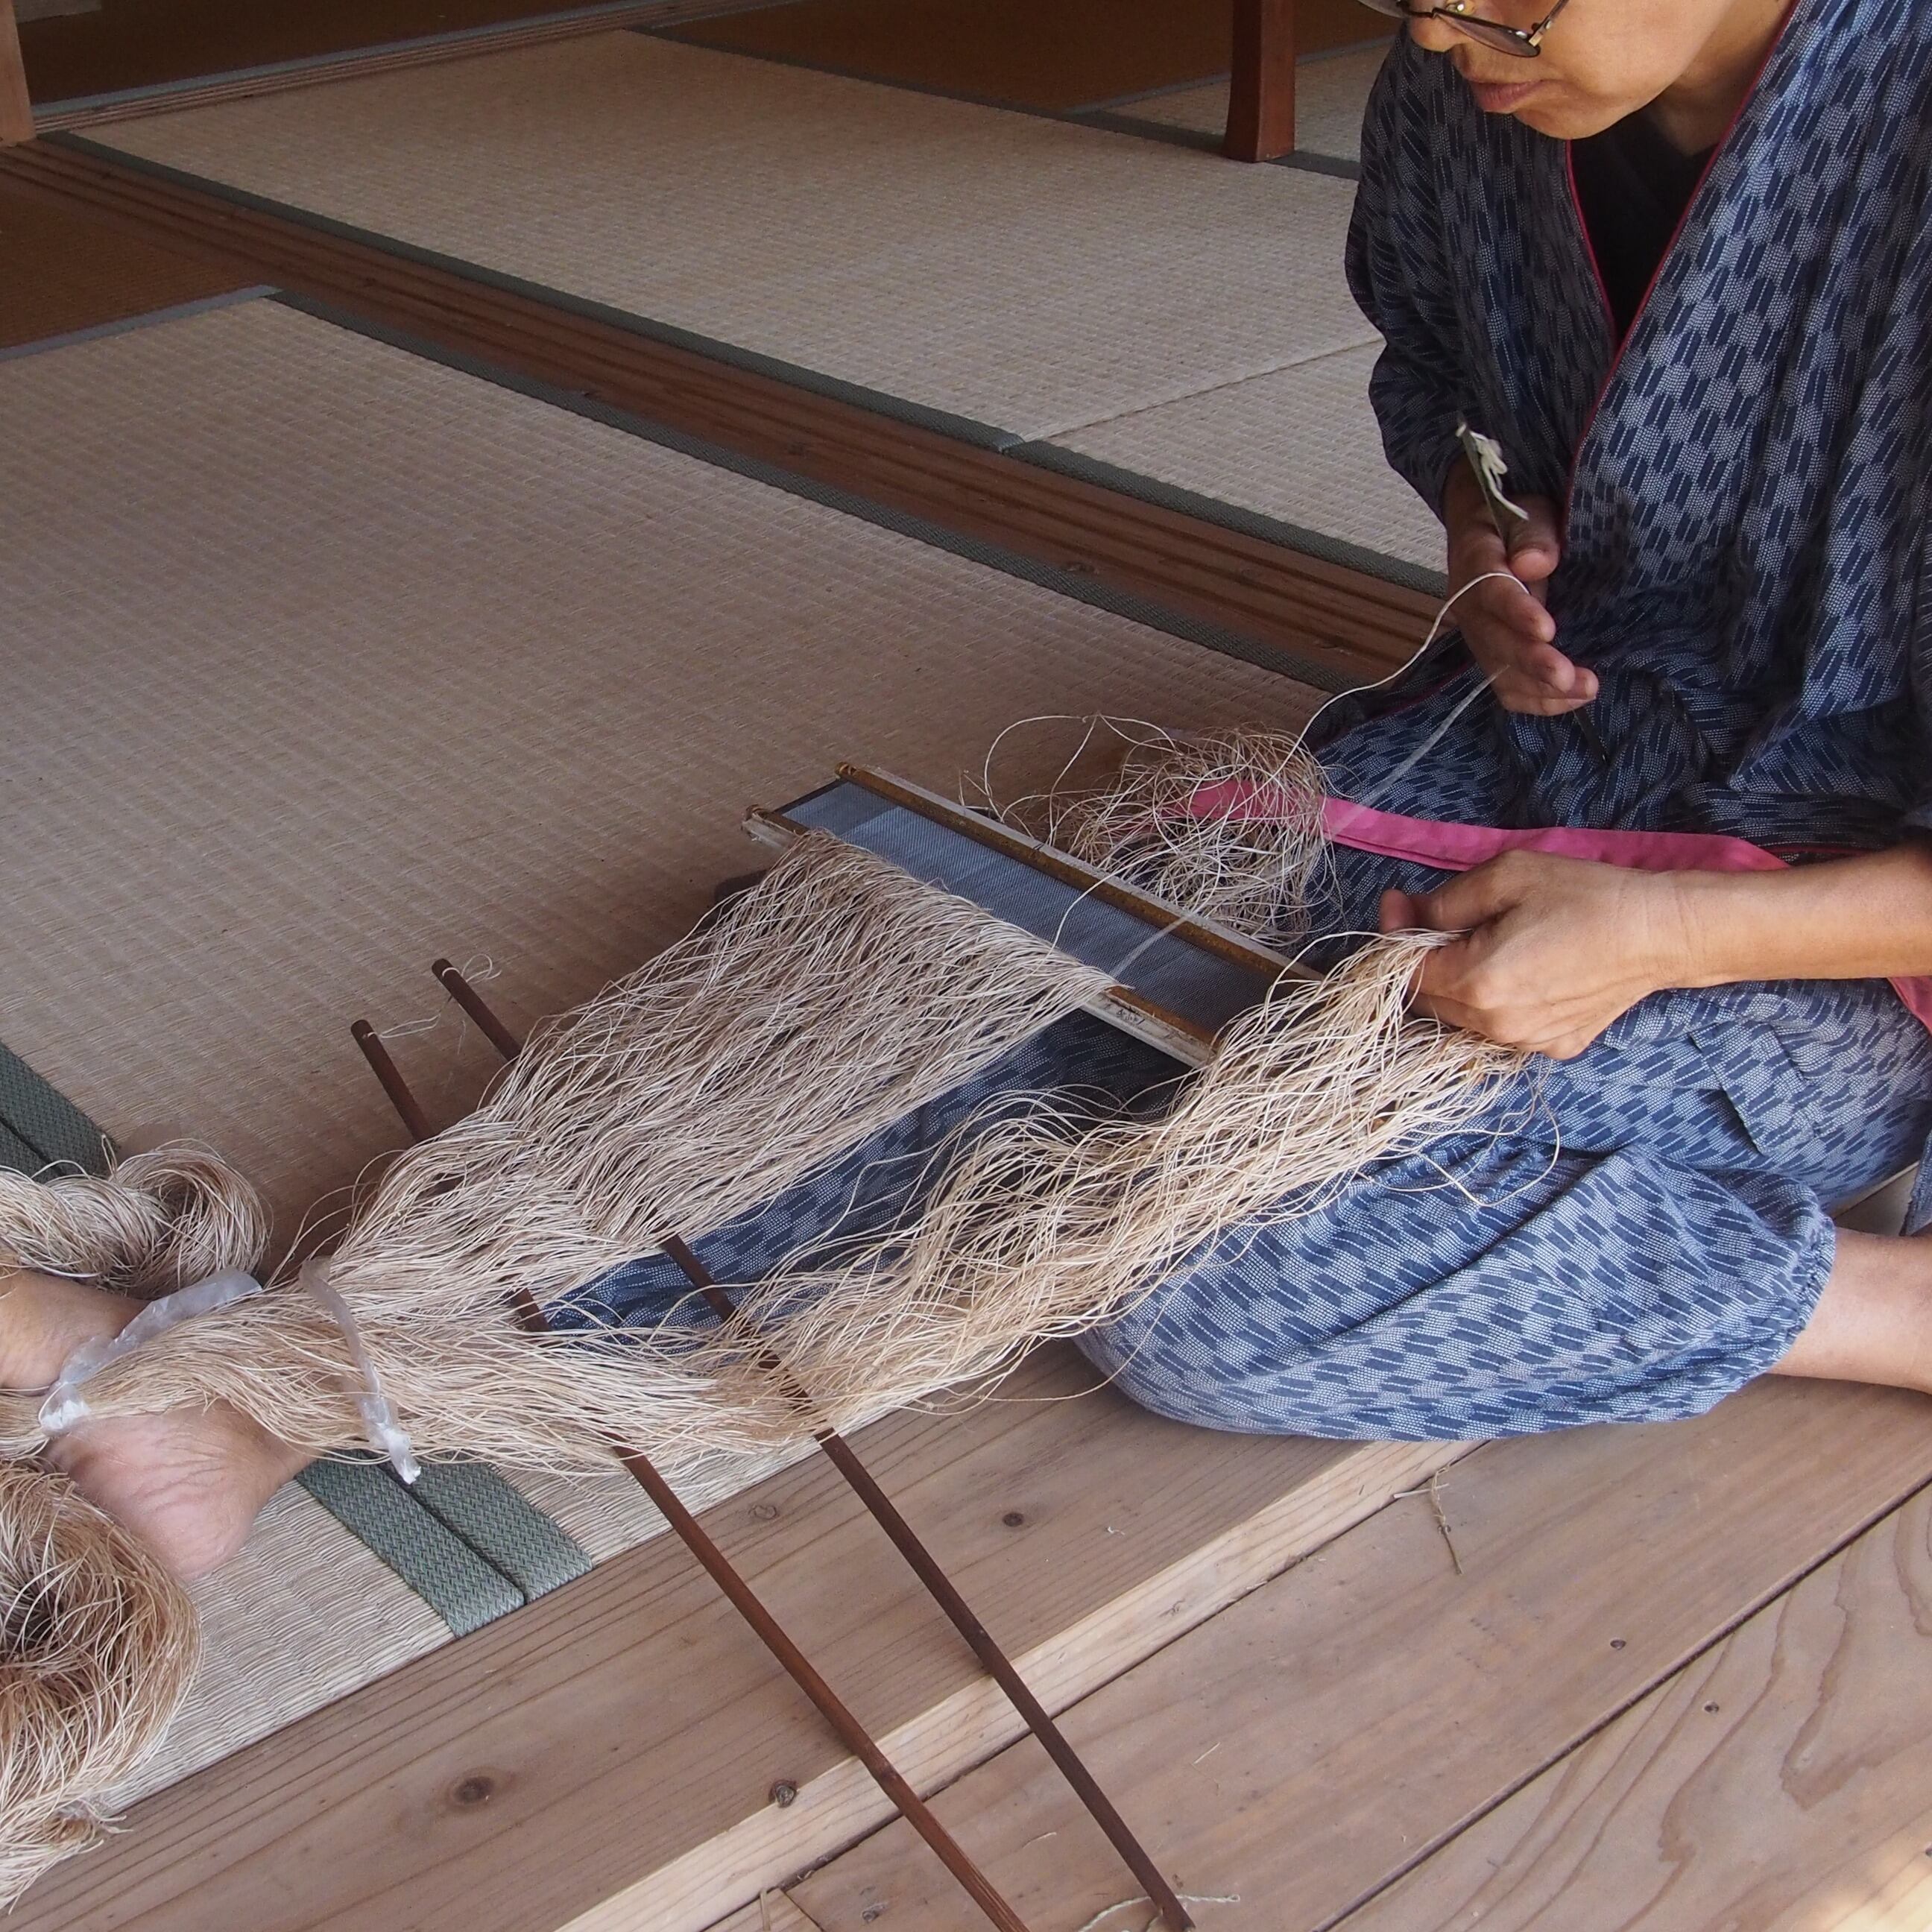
[1415, 657]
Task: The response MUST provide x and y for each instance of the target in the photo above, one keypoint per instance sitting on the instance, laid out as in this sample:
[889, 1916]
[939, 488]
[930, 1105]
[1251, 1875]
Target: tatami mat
[1331, 91]
[1026, 273]
[1300, 445]
[325, 659]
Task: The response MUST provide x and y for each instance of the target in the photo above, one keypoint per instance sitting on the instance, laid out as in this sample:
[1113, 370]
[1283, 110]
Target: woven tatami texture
[1300, 444]
[1331, 90]
[1024, 272]
[324, 659]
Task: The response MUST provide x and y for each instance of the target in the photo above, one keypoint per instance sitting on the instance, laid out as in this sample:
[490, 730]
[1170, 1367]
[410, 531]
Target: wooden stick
[742, 1598]
[466, 996]
[921, 1560]
[16, 106]
[384, 1069]
[959, 1613]
[1261, 93]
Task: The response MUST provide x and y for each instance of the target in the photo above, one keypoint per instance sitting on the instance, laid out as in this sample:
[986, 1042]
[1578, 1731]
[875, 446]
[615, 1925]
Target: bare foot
[188, 1482]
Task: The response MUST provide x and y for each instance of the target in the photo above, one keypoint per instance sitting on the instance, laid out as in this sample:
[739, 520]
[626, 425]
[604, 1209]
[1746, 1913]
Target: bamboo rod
[385, 1070]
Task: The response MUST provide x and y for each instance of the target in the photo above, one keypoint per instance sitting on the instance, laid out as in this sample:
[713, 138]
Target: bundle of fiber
[833, 999]
[97, 1650]
[1035, 1229]
[825, 1004]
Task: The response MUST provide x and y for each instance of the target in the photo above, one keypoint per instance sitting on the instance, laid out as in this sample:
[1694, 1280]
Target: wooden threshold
[353, 63]
[1313, 1745]
[622, 1753]
[1345, 623]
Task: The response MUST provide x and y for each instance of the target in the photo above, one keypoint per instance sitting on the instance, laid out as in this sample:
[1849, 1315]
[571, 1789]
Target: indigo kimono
[1746, 568]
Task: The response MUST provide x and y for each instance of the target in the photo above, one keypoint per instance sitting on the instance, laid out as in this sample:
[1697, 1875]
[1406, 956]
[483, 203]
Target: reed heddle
[826, 1002]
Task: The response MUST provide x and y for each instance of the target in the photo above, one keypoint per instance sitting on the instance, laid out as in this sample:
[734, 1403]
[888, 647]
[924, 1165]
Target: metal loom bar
[739, 1594]
[921, 1562]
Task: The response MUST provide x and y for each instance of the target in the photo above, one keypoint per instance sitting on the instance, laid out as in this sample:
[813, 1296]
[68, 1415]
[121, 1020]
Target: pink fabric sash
[1458, 848]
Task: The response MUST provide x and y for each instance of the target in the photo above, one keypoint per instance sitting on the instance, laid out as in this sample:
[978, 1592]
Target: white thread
[386, 1433]
[1415, 656]
[408, 1029]
[62, 1409]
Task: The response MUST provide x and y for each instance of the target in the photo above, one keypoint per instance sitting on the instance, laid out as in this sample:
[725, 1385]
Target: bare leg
[189, 1483]
[1873, 1322]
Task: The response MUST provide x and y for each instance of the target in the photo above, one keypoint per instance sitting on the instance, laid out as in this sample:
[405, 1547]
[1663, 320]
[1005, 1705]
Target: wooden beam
[1261, 94]
[16, 108]
[1308, 1746]
[622, 1753]
[1782, 1778]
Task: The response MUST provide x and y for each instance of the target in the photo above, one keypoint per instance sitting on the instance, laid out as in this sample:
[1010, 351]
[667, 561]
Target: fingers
[1534, 546]
[1397, 912]
[1470, 900]
[1506, 603]
[1542, 681]
[1530, 695]
[1502, 617]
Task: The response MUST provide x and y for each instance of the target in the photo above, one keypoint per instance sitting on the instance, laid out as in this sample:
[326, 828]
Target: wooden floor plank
[97, 66]
[607, 1758]
[773, 1912]
[1782, 1782]
[1308, 1746]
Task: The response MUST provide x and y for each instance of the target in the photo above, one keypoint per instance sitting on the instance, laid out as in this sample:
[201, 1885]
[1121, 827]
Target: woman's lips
[1495, 97]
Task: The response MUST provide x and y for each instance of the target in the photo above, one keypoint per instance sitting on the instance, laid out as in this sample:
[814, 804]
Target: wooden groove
[1352, 623]
[353, 64]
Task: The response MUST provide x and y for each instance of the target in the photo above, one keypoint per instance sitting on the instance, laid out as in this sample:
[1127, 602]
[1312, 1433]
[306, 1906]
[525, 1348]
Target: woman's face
[1604, 59]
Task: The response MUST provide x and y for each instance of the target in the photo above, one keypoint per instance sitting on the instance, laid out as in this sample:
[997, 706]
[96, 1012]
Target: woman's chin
[1560, 121]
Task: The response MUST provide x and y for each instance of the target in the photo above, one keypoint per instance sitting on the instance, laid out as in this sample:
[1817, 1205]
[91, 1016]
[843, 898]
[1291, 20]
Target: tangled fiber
[165, 1219]
[1225, 824]
[829, 1001]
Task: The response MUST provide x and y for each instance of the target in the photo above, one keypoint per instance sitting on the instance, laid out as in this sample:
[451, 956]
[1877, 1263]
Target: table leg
[1261, 99]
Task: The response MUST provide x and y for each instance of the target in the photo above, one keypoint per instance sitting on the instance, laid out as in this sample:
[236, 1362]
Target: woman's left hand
[1553, 950]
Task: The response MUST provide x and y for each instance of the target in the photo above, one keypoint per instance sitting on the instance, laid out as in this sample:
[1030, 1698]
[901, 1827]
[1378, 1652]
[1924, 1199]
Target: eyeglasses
[1525, 42]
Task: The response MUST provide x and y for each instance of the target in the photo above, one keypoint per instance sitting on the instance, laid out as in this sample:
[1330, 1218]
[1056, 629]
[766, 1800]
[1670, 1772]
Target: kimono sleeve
[1400, 279]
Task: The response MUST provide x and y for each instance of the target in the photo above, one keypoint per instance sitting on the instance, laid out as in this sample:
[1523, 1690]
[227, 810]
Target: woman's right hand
[1508, 632]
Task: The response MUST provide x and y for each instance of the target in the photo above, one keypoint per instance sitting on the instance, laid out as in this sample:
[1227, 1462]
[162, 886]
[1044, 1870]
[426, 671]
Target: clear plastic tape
[386, 1433]
[63, 1407]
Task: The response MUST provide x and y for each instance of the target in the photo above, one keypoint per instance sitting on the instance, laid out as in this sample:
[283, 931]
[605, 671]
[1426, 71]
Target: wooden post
[1261, 97]
[16, 111]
